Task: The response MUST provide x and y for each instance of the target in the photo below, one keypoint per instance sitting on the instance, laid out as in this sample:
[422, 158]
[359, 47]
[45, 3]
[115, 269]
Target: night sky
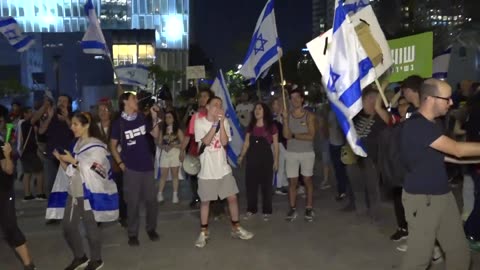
[224, 28]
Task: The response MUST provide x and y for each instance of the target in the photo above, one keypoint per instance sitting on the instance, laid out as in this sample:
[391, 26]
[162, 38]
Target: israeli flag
[93, 42]
[234, 148]
[14, 34]
[136, 75]
[441, 64]
[264, 49]
[351, 70]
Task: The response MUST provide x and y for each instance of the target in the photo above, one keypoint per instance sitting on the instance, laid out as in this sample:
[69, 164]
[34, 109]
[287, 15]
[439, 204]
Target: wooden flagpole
[282, 84]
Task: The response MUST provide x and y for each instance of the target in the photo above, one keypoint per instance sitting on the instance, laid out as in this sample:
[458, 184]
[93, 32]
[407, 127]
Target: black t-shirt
[6, 181]
[31, 145]
[59, 135]
[426, 173]
[368, 130]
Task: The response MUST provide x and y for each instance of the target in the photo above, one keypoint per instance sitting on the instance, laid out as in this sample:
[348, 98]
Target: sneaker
[325, 185]
[301, 190]
[41, 197]
[78, 263]
[31, 266]
[202, 240]
[160, 197]
[399, 235]
[437, 256]
[266, 217]
[402, 248]
[28, 198]
[309, 214]
[291, 215]
[241, 233]
[133, 241]
[194, 203]
[340, 197]
[94, 265]
[281, 191]
[175, 198]
[53, 222]
[248, 215]
[153, 235]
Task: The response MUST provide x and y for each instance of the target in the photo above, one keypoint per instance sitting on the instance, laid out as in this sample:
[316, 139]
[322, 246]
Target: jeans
[339, 167]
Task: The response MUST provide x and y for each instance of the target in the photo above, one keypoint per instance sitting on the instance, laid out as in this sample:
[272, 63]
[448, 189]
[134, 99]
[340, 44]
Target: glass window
[149, 7]
[68, 12]
[142, 22]
[164, 7]
[142, 6]
[156, 7]
[67, 26]
[179, 6]
[59, 10]
[75, 10]
[21, 12]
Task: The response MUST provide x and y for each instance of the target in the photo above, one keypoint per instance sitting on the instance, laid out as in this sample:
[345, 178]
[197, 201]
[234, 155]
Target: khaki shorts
[212, 189]
[170, 159]
[302, 162]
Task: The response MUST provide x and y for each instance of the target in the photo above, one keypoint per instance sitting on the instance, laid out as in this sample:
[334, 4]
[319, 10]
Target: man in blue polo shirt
[430, 207]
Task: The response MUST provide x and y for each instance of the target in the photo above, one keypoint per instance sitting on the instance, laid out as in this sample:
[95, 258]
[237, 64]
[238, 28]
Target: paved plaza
[334, 241]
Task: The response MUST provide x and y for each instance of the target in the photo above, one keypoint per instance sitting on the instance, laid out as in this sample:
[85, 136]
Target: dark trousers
[259, 173]
[472, 226]
[365, 185]
[122, 205]
[398, 207]
[339, 167]
[140, 187]
[74, 215]
[8, 219]
[51, 169]
[193, 179]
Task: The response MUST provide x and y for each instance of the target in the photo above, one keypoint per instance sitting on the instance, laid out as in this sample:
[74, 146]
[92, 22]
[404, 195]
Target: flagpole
[119, 86]
[282, 84]
[382, 94]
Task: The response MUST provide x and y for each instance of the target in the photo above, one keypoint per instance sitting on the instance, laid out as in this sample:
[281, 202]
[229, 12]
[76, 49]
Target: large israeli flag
[351, 70]
[234, 148]
[14, 34]
[264, 49]
[136, 75]
[93, 42]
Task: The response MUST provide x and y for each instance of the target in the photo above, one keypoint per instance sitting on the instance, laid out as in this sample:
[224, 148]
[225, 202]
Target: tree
[12, 88]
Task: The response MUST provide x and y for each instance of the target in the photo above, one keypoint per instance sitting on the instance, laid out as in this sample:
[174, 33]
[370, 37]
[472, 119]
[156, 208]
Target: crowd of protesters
[145, 140]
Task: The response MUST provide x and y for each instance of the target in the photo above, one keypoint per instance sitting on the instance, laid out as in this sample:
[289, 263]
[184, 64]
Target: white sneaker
[266, 217]
[160, 197]
[175, 198]
[202, 240]
[301, 190]
[402, 248]
[241, 233]
[248, 215]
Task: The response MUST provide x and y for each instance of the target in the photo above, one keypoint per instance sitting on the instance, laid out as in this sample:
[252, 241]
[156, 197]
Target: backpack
[391, 163]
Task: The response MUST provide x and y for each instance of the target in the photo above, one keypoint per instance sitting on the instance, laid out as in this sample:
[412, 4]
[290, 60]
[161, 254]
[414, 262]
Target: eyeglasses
[447, 99]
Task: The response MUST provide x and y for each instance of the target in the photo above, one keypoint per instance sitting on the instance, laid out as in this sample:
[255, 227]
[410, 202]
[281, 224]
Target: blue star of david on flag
[260, 44]
[332, 80]
[264, 49]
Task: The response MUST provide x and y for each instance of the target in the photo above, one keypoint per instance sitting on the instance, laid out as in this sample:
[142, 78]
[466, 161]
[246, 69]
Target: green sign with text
[411, 55]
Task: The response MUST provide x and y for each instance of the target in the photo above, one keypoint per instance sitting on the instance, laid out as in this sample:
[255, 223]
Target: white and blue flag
[264, 49]
[346, 68]
[234, 148]
[136, 75]
[14, 34]
[93, 42]
[441, 64]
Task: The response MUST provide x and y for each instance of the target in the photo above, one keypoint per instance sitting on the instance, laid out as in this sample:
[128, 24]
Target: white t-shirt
[213, 161]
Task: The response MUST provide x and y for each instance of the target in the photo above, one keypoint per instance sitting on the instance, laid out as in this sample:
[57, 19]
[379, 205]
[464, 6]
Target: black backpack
[391, 163]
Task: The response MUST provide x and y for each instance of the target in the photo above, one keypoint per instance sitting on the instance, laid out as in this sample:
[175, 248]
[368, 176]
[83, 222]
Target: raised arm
[458, 149]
